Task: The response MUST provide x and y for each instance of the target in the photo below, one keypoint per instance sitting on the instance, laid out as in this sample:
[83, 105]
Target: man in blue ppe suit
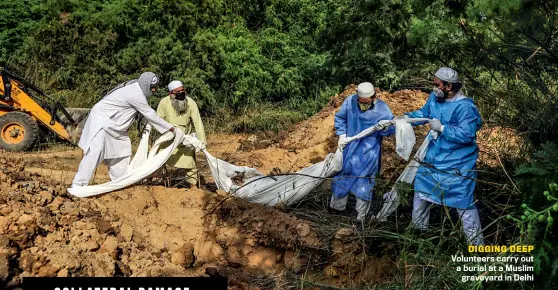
[447, 174]
[361, 158]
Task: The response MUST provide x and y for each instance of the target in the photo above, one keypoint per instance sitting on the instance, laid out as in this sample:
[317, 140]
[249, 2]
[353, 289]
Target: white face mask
[440, 95]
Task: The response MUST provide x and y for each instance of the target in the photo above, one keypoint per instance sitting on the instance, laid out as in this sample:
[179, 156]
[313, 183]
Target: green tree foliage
[506, 51]
[233, 54]
[367, 42]
[19, 17]
[537, 181]
[239, 54]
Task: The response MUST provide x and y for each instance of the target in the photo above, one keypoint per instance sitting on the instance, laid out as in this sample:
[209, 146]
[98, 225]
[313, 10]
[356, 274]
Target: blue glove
[436, 125]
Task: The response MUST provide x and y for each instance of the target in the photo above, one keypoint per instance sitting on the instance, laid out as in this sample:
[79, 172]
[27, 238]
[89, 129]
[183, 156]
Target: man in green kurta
[181, 111]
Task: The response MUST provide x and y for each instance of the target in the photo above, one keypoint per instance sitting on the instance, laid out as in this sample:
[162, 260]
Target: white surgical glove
[342, 141]
[436, 125]
[384, 124]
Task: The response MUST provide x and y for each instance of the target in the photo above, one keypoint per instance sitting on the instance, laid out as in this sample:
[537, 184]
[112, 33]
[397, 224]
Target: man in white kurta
[105, 134]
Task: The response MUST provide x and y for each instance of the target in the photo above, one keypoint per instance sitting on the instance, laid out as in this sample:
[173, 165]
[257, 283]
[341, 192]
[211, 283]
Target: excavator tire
[18, 131]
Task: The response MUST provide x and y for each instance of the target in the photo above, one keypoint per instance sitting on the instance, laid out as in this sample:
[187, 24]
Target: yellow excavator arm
[22, 102]
[22, 108]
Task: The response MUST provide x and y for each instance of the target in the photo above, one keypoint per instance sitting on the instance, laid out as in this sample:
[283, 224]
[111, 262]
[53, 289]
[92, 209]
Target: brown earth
[159, 231]
[311, 140]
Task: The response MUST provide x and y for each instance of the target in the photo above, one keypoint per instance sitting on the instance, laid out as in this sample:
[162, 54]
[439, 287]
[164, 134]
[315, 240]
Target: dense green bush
[237, 54]
[535, 220]
[507, 53]
[232, 54]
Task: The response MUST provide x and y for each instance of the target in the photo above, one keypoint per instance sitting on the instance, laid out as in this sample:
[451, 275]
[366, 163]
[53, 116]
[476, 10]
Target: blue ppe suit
[361, 158]
[448, 172]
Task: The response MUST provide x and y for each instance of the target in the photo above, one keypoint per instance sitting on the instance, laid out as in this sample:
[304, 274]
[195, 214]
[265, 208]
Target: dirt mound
[59, 164]
[311, 140]
[147, 231]
[497, 144]
[319, 130]
[43, 232]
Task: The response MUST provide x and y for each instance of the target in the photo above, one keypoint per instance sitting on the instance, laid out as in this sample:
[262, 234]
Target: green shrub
[266, 119]
[535, 220]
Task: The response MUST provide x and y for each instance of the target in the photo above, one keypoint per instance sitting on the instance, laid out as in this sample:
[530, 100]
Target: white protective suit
[105, 134]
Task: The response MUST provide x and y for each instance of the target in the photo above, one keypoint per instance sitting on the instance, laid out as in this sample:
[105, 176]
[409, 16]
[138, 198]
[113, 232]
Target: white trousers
[362, 206]
[469, 218]
[94, 157]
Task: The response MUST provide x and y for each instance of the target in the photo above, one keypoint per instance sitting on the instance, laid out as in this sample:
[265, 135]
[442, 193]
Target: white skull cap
[175, 84]
[366, 90]
[447, 74]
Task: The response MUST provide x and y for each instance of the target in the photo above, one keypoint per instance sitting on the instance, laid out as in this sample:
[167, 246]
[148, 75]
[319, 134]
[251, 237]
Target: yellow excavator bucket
[24, 107]
[79, 116]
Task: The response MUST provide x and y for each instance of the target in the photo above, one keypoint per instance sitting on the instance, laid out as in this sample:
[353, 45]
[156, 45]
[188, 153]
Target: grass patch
[268, 119]
[267, 116]
[263, 118]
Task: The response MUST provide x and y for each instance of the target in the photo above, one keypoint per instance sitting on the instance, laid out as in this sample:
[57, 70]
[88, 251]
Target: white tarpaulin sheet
[141, 166]
[272, 190]
[391, 199]
[255, 186]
